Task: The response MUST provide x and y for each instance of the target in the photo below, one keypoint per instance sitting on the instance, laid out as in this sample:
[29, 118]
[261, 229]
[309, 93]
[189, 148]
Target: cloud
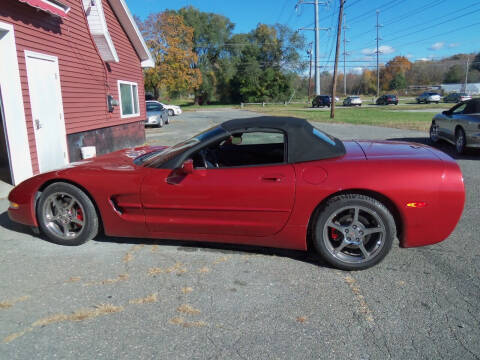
[437, 46]
[384, 49]
[452, 45]
[409, 56]
[423, 59]
[357, 70]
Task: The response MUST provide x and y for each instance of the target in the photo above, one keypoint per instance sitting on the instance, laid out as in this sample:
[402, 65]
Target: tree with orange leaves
[395, 68]
[171, 43]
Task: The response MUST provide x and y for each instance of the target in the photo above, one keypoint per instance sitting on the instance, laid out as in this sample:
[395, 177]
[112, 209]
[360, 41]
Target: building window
[128, 94]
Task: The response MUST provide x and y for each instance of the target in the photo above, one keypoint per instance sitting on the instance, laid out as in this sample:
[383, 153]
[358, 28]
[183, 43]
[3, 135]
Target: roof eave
[128, 23]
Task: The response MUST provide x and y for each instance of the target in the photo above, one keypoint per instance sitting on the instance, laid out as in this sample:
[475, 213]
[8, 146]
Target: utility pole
[378, 26]
[345, 53]
[466, 75]
[309, 52]
[339, 36]
[316, 29]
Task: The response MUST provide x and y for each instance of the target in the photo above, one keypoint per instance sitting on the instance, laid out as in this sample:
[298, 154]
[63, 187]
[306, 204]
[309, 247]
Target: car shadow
[8, 224]
[309, 256]
[447, 148]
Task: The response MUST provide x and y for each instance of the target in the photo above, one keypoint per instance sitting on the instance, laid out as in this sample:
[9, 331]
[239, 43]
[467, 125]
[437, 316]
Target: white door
[47, 110]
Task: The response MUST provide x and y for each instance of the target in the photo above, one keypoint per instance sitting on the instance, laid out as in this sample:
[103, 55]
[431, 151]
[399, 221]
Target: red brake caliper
[79, 215]
[334, 233]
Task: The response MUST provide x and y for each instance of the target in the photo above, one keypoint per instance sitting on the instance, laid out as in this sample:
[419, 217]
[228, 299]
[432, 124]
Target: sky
[417, 29]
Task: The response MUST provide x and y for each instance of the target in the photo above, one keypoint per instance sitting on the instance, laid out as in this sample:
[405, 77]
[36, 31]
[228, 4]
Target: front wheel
[460, 141]
[66, 215]
[354, 232]
[434, 133]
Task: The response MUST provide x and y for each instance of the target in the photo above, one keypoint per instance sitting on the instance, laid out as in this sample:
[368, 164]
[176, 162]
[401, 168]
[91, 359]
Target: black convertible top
[305, 143]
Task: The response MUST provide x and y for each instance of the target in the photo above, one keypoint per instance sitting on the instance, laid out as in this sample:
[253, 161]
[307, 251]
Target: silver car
[352, 101]
[460, 125]
[428, 97]
[456, 97]
[157, 115]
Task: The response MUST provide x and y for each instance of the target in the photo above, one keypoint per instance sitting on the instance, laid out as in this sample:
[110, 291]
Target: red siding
[84, 79]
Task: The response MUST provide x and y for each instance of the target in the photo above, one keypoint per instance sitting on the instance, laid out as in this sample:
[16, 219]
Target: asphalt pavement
[116, 298]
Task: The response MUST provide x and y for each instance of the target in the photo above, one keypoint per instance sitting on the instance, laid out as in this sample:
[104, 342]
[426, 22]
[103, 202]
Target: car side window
[243, 149]
[460, 109]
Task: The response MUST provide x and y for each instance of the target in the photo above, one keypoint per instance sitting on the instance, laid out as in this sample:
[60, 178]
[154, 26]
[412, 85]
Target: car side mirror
[187, 167]
[446, 112]
[236, 140]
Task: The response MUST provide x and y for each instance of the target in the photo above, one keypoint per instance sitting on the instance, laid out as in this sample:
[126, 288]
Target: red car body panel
[261, 205]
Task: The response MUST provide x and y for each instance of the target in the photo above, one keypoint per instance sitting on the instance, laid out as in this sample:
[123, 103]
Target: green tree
[398, 82]
[455, 74]
[265, 64]
[476, 63]
[211, 41]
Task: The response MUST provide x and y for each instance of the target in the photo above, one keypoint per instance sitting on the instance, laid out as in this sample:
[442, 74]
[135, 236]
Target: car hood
[121, 160]
[396, 149]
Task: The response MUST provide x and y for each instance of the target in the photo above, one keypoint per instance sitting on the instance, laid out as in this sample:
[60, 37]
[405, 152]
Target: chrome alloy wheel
[354, 234]
[64, 215]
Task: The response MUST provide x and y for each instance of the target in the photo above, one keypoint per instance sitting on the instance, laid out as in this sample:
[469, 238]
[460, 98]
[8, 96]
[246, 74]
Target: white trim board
[15, 123]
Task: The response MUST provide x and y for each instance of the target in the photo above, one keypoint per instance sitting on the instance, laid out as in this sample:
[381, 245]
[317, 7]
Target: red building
[70, 77]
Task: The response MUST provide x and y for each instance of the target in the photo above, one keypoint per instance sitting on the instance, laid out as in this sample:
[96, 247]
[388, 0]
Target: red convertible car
[268, 181]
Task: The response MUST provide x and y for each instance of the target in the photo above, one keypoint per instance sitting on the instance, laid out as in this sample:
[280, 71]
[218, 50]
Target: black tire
[343, 241]
[433, 133]
[170, 112]
[66, 215]
[460, 141]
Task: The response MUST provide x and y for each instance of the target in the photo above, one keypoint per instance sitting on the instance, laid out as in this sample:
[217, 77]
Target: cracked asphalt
[116, 298]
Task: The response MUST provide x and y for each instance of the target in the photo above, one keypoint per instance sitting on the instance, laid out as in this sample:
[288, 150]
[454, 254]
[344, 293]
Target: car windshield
[154, 107]
[463, 94]
[159, 157]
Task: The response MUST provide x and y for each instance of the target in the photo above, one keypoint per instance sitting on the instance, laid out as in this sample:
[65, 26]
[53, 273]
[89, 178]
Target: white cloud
[423, 59]
[437, 46]
[384, 49]
[409, 56]
[452, 45]
[357, 70]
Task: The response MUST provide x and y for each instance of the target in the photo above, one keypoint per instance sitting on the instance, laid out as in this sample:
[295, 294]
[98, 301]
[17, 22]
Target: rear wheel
[66, 215]
[170, 112]
[354, 232]
[460, 141]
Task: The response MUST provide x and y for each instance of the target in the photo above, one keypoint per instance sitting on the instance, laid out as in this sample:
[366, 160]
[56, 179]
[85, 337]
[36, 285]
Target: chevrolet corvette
[265, 181]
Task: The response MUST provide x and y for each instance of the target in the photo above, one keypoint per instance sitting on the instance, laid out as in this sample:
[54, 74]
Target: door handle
[272, 178]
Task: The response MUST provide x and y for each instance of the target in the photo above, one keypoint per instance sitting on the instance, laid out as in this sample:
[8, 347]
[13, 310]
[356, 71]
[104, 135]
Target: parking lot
[141, 299]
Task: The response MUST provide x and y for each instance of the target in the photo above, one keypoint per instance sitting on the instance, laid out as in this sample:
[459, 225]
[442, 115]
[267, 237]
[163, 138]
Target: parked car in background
[387, 99]
[460, 125]
[321, 101]
[456, 97]
[428, 97]
[172, 109]
[157, 115]
[352, 101]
